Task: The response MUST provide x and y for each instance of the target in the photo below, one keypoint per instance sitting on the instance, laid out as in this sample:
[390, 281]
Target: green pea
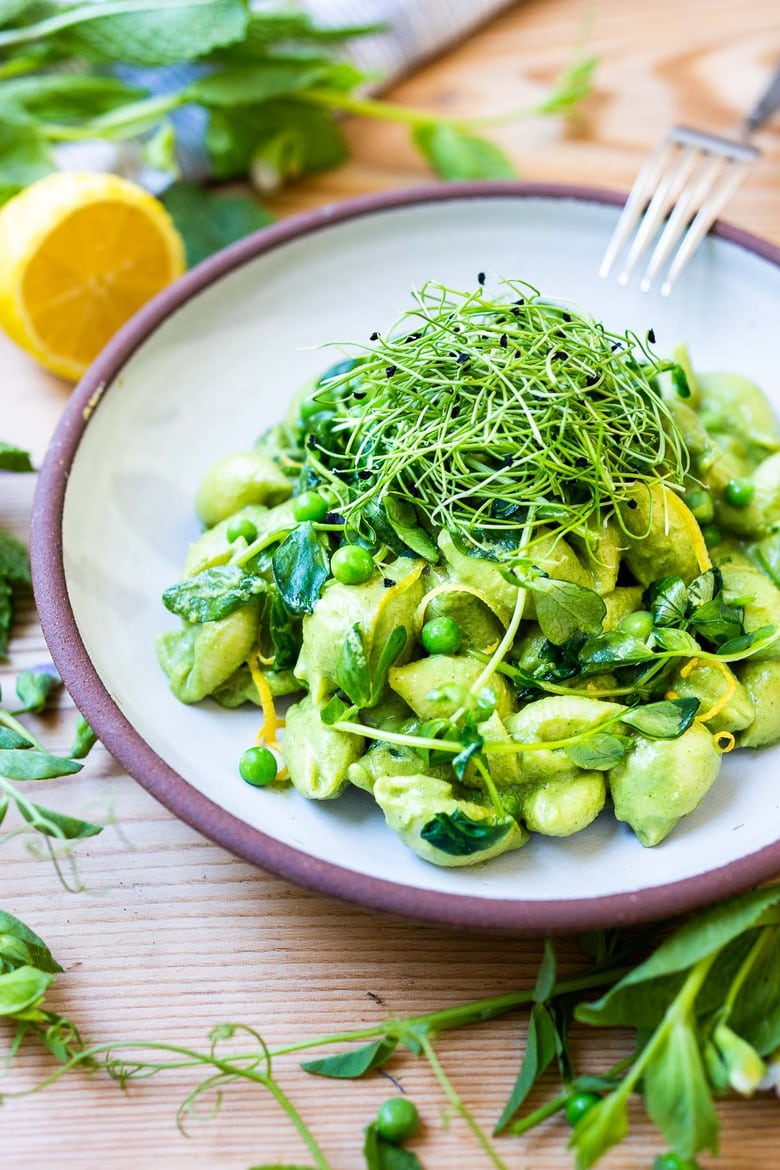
[739, 492]
[241, 527]
[397, 1119]
[352, 564]
[258, 767]
[310, 506]
[441, 636]
[673, 1161]
[700, 503]
[638, 624]
[578, 1105]
[712, 535]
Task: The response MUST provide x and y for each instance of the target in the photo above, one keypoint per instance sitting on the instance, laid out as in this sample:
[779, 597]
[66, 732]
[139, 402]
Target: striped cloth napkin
[413, 31]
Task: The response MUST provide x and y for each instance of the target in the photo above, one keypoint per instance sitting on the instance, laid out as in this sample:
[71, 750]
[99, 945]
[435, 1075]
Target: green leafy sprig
[705, 1006]
[269, 82]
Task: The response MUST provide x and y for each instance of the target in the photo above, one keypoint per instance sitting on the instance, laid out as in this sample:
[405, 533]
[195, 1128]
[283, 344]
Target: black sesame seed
[374, 336]
[566, 317]
[519, 301]
[413, 337]
[358, 394]
[388, 582]
[632, 504]
[560, 355]
[364, 474]
[311, 442]
[591, 379]
[390, 370]
[504, 342]
[333, 518]
[455, 412]
[508, 460]
[481, 277]
[651, 336]
[580, 461]
[462, 358]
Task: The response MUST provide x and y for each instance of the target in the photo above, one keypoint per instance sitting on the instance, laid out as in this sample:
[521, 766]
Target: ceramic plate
[211, 363]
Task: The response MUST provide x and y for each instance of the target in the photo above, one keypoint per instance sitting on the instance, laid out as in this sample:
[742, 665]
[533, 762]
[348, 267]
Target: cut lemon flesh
[79, 255]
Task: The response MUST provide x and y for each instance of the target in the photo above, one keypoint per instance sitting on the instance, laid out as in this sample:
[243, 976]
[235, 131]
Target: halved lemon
[79, 254]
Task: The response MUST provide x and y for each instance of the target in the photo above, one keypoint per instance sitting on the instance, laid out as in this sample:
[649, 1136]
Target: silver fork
[689, 178]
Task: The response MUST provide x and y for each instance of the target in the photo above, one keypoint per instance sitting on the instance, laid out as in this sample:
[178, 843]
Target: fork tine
[690, 198]
[669, 189]
[731, 179]
[637, 201]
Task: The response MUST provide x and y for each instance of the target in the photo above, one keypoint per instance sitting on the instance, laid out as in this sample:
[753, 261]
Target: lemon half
[79, 254]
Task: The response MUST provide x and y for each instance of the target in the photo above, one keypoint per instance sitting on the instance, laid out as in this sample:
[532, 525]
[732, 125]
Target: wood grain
[173, 935]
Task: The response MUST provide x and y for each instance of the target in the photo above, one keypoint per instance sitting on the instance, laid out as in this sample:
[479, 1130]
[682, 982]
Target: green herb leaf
[352, 670]
[22, 989]
[208, 222]
[563, 609]
[665, 720]
[539, 1054]
[84, 739]
[383, 1155]
[667, 600]
[599, 752]
[154, 34]
[612, 649]
[213, 594]
[6, 613]
[387, 656]
[40, 955]
[24, 153]
[262, 81]
[301, 567]
[34, 765]
[677, 1095]
[33, 689]
[718, 622]
[603, 1126]
[548, 969]
[745, 641]
[334, 710]
[12, 458]
[703, 588]
[12, 739]
[14, 560]
[287, 139]
[455, 155]
[56, 824]
[676, 641]
[460, 836]
[403, 519]
[285, 634]
[349, 1065]
[571, 88]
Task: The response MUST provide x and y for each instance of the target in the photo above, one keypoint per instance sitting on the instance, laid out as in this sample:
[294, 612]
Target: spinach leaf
[455, 155]
[208, 222]
[665, 720]
[285, 634]
[667, 600]
[352, 670]
[599, 752]
[213, 594]
[460, 836]
[301, 567]
[13, 458]
[539, 1053]
[402, 517]
[349, 1065]
[564, 609]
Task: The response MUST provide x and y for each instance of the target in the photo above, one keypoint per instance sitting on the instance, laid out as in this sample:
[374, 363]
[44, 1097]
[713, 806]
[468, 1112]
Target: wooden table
[172, 934]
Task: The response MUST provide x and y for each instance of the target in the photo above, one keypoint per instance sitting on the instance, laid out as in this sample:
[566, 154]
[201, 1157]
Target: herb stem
[458, 1104]
[374, 108]
[531, 1120]
[295, 1118]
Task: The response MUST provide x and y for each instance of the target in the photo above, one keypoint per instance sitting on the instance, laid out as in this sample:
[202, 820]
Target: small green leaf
[718, 622]
[665, 720]
[603, 1126]
[571, 88]
[14, 559]
[84, 739]
[33, 689]
[667, 600]
[213, 594]
[208, 221]
[334, 710]
[266, 80]
[12, 739]
[6, 613]
[676, 641]
[454, 155]
[612, 649]
[24, 153]
[383, 1155]
[539, 1054]
[745, 641]
[349, 1065]
[41, 956]
[388, 654]
[460, 836]
[403, 519]
[285, 634]
[22, 989]
[352, 670]
[14, 458]
[703, 588]
[289, 138]
[677, 1095]
[34, 765]
[599, 752]
[56, 824]
[563, 608]
[301, 567]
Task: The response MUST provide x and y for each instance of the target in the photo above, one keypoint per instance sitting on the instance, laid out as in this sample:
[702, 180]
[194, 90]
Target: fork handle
[767, 105]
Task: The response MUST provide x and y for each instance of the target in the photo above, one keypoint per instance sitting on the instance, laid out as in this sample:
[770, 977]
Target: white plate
[211, 363]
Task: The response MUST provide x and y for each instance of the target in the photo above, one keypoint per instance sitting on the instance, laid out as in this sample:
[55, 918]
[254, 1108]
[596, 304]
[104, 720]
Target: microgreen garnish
[476, 436]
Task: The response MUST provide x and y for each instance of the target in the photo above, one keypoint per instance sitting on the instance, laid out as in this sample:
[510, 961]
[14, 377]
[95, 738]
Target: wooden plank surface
[172, 934]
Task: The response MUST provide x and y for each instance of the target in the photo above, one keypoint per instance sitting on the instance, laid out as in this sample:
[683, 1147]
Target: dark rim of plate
[129, 748]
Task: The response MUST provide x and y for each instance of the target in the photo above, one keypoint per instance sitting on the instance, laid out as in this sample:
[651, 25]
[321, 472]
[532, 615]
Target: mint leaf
[24, 154]
[247, 85]
[14, 458]
[455, 155]
[153, 33]
[208, 221]
[289, 137]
